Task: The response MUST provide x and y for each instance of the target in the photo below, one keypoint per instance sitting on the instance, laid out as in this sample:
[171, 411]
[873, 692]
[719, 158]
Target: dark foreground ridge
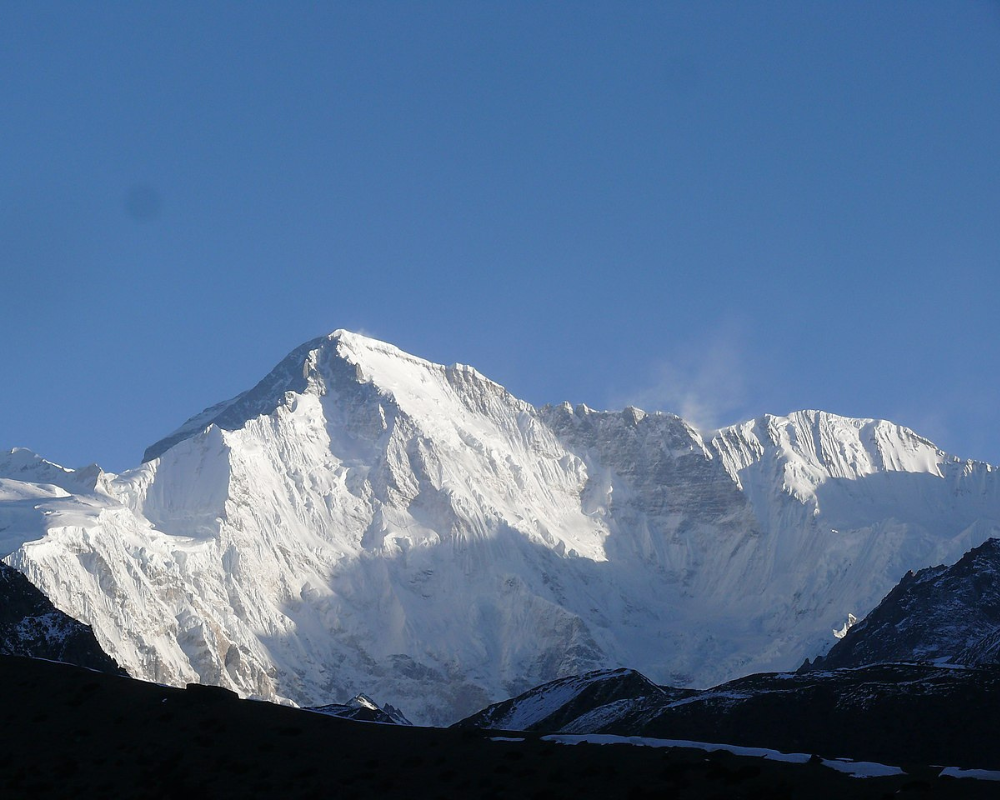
[31, 626]
[71, 732]
[945, 614]
[884, 713]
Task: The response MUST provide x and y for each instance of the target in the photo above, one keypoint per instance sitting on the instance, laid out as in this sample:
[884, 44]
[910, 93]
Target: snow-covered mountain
[363, 520]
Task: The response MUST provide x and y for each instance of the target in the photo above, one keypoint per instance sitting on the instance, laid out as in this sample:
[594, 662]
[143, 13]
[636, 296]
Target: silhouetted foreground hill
[31, 626]
[947, 614]
[886, 713]
[69, 732]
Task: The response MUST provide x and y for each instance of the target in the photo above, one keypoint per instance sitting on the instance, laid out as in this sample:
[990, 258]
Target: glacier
[365, 520]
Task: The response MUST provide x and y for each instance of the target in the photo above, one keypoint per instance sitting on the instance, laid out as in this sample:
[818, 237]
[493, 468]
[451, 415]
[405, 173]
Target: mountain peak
[289, 374]
[335, 362]
[21, 464]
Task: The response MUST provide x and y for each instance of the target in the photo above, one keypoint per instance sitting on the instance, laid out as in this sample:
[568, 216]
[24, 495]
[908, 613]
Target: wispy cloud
[704, 381]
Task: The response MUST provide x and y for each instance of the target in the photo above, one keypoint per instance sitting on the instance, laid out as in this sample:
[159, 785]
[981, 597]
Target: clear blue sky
[722, 209]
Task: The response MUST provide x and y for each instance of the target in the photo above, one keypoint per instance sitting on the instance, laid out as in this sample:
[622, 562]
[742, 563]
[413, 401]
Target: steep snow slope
[363, 520]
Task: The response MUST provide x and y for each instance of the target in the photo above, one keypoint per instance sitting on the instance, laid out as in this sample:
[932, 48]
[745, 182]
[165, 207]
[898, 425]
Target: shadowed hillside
[74, 733]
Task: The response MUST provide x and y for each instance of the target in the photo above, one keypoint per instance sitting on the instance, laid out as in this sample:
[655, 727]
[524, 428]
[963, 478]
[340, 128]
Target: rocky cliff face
[946, 614]
[31, 626]
[363, 520]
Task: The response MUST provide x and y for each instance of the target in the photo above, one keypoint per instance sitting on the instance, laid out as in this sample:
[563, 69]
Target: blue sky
[720, 209]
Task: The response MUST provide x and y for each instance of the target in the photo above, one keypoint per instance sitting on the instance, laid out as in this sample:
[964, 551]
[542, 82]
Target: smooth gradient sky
[715, 209]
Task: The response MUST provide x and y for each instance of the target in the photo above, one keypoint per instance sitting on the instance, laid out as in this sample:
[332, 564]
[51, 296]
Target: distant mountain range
[364, 520]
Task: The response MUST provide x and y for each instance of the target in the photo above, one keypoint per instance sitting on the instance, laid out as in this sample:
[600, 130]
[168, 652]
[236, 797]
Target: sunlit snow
[857, 769]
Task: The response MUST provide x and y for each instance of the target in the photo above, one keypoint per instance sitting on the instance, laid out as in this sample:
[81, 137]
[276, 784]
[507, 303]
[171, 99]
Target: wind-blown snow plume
[704, 383]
